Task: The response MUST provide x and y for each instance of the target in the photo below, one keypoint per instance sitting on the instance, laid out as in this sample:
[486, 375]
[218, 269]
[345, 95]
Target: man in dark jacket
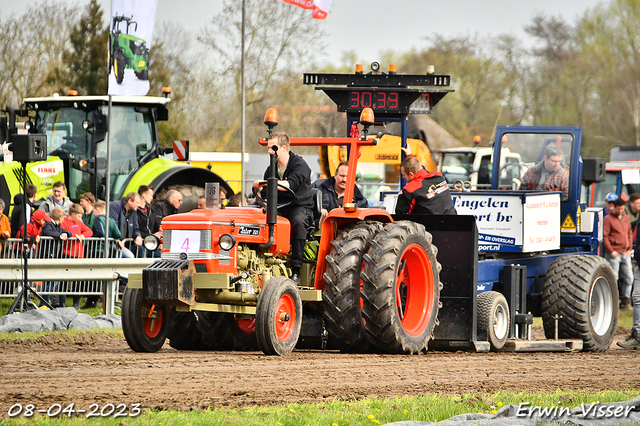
[333, 190]
[147, 220]
[295, 174]
[17, 215]
[170, 205]
[424, 193]
[123, 212]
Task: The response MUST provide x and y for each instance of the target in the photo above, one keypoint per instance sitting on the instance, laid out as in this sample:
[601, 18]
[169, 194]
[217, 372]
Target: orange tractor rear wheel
[401, 288]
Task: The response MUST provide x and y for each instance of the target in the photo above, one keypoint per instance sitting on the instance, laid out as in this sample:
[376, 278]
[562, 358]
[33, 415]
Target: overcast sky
[369, 26]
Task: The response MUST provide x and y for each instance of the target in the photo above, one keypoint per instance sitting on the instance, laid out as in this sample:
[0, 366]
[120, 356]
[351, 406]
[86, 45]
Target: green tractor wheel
[142, 75]
[109, 57]
[118, 65]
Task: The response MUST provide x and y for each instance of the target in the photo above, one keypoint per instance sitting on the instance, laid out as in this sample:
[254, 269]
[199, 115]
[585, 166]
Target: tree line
[584, 73]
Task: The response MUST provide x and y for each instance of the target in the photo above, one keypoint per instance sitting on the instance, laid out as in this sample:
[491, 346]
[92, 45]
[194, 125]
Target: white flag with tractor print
[130, 33]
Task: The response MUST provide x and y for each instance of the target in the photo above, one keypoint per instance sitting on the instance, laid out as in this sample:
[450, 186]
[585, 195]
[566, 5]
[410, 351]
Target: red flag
[354, 132]
[320, 7]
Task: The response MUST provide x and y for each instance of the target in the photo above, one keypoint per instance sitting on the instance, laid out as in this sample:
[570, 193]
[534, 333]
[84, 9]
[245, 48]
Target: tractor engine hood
[244, 224]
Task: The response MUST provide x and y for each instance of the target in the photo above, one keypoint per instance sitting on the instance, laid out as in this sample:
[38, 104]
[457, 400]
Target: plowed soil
[100, 368]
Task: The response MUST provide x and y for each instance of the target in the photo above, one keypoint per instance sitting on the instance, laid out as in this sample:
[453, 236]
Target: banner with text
[130, 32]
[513, 222]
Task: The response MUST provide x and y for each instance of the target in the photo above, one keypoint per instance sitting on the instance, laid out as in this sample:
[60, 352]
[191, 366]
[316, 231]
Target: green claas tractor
[127, 51]
[76, 133]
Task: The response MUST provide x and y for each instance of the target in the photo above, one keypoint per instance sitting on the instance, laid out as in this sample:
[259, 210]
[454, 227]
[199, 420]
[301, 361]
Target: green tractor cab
[77, 133]
[127, 50]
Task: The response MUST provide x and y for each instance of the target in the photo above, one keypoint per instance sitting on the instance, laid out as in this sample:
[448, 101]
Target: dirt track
[98, 368]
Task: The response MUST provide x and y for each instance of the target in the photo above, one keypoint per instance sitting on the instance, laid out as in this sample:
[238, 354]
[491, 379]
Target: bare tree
[32, 46]
[278, 37]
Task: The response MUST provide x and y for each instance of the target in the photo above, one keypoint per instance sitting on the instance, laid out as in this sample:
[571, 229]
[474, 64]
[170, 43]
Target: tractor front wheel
[343, 306]
[144, 325]
[580, 293]
[401, 288]
[493, 316]
[278, 316]
[118, 65]
[142, 75]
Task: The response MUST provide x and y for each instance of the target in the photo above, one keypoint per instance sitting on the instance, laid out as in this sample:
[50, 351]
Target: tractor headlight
[226, 242]
[151, 242]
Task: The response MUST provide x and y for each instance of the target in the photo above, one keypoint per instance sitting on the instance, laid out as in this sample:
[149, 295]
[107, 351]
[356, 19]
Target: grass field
[428, 408]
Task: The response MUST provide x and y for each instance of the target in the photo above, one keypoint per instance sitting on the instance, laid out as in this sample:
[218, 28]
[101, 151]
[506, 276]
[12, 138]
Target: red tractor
[223, 282]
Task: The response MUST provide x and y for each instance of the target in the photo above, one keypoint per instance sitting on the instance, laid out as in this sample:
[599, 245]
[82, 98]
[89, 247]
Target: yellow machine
[386, 152]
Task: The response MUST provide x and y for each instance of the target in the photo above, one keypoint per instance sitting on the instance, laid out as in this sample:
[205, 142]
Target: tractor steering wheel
[263, 202]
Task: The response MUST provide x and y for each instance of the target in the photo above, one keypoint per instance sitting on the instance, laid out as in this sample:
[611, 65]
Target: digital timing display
[390, 101]
[376, 100]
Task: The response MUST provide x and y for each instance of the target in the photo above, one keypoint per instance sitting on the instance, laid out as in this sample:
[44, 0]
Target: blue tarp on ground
[601, 414]
[57, 319]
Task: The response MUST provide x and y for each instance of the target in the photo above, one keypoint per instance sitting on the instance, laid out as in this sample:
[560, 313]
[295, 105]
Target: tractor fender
[188, 175]
[341, 218]
[161, 173]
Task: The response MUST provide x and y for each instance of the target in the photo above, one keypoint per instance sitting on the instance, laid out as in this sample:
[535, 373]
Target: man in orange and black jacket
[424, 193]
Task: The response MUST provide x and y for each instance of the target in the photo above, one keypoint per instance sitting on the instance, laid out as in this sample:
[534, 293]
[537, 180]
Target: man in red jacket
[617, 244]
[425, 193]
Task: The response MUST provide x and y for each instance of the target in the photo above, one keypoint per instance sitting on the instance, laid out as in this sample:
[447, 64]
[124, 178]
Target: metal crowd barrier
[78, 269]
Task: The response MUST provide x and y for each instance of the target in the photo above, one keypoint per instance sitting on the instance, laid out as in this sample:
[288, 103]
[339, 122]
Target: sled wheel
[401, 288]
[582, 290]
[183, 333]
[118, 65]
[278, 316]
[341, 296]
[144, 325]
[493, 316]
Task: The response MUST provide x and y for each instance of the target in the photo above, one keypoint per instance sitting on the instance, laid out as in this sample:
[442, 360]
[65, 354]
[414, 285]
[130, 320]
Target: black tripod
[23, 302]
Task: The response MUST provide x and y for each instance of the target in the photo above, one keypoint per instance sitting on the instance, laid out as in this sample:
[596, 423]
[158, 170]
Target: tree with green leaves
[86, 60]
[608, 39]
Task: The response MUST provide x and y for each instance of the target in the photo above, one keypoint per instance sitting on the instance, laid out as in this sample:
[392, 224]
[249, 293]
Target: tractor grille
[169, 282]
[19, 174]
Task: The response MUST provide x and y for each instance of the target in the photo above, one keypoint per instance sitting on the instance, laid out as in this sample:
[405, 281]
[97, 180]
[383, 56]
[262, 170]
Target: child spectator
[98, 232]
[80, 231]
[5, 226]
[114, 232]
[86, 202]
[34, 227]
[54, 249]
